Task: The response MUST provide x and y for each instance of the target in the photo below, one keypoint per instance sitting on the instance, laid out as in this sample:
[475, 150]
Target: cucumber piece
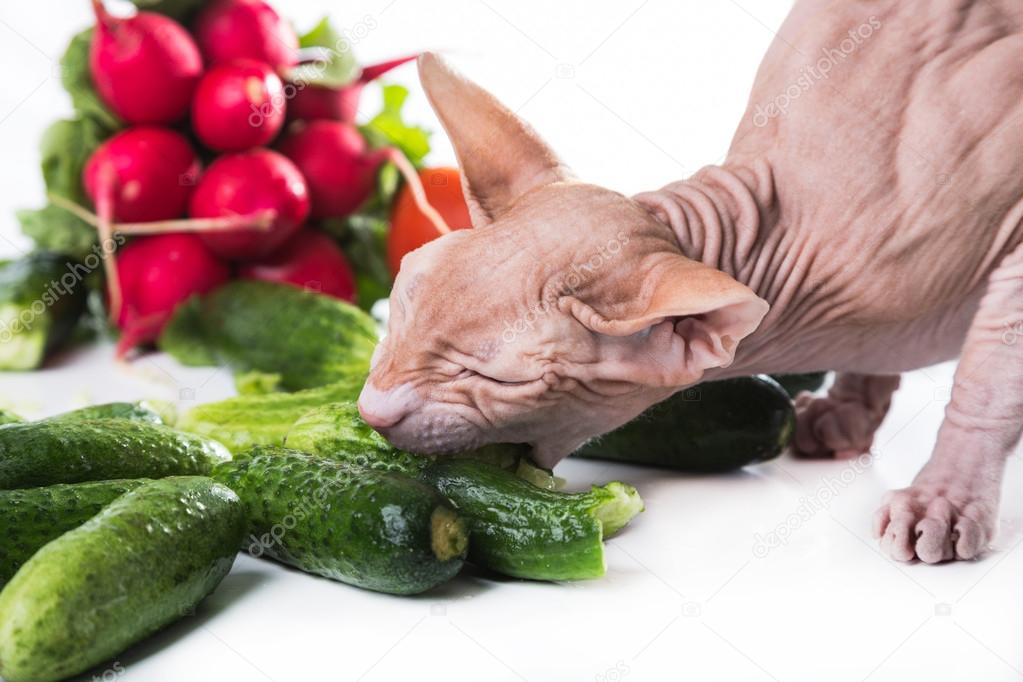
[337, 431]
[143, 411]
[711, 428]
[70, 451]
[377, 530]
[247, 420]
[794, 384]
[8, 417]
[146, 559]
[308, 339]
[31, 517]
[518, 529]
[42, 297]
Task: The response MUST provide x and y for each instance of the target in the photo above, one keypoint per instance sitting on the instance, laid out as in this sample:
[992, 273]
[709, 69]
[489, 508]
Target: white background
[633, 95]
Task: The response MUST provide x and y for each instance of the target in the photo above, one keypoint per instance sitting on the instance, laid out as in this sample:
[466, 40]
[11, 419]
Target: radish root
[418, 193]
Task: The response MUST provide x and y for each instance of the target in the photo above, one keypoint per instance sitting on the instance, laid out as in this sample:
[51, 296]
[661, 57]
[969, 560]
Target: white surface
[652, 92]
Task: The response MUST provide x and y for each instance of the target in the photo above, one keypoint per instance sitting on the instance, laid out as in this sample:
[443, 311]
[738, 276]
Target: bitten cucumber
[714, 427]
[41, 300]
[518, 529]
[31, 517]
[70, 451]
[306, 338]
[377, 530]
[248, 420]
[145, 560]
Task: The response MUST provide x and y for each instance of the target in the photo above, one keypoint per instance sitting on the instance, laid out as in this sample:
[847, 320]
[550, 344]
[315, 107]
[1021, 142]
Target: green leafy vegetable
[74, 75]
[363, 237]
[180, 10]
[335, 66]
[388, 128]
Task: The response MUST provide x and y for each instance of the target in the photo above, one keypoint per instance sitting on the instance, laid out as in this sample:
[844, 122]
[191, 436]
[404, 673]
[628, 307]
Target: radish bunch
[222, 89]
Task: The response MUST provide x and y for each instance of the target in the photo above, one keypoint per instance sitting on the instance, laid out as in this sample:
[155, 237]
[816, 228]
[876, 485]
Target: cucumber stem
[618, 504]
[448, 537]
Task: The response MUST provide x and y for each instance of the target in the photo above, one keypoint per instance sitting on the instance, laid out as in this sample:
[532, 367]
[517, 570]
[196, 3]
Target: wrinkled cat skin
[867, 220]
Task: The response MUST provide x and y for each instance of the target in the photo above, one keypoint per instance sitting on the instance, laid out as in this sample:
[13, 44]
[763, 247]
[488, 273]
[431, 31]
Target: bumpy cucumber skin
[143, 562]
[518, 529]
[248, 420]
[366, 528]
[337, 431]
[307, 338]
[31, 517]
[794, 384]
[25, 281]
[71, 451]
[137, 411]
[712, 428]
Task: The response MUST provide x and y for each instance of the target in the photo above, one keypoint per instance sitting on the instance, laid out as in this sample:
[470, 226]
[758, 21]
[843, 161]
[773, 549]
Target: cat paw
[936, 522]
[826, 427]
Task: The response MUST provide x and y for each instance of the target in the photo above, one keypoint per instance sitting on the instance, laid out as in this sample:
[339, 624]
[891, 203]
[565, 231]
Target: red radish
[245, 29]
[156, 274]
[312, 102]
[145, 67]
[238, 105]
[146, 173]
[310, 260]
[250, 184]
[340, 170]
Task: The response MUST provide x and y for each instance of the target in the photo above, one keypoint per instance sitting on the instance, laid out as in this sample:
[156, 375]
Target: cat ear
[668, 324]
[500, 155]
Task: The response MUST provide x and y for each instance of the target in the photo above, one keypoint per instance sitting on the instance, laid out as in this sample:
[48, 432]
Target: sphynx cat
[867, 219]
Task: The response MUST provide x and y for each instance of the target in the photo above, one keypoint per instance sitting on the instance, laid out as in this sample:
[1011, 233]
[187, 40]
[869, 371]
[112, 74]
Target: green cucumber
[306, 338]
[794, 384]
[31, 517]
[42, 297]
[145, 560]
[70, 451]
[518, 529]
[143, 411]
[711, 428]
[8, 417]
[377, 530]
[248, 420]
[337, 431]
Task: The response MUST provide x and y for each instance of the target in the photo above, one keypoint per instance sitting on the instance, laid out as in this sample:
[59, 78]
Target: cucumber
[8, 417]
[143, 411]
[518, 529]
[306, 338]
[248, 420]
[377, 530]
[70, 451]
[42, 297]
[146, 559]
[794, 384]
[711, 428]
[32, 517]
[337, 431]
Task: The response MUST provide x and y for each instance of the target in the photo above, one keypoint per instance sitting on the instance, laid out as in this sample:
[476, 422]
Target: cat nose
[383, 409]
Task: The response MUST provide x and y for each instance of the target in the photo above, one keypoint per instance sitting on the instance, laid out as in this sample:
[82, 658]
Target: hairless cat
[867, 219]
